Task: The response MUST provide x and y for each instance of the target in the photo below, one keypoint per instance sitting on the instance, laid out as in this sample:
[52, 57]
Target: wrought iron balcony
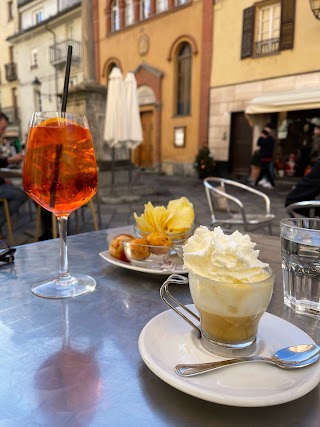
[11, 71]
[12, 113]
[267, 47]
[59, 52]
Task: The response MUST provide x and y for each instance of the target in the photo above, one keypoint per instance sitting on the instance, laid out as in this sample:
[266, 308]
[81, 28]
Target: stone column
[88, 47]
[89, 97]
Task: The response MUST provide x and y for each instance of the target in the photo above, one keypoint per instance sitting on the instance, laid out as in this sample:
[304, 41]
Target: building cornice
[43, 24]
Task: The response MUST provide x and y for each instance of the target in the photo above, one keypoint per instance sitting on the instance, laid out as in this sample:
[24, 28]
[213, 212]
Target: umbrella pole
[112, 171]
[130, 170]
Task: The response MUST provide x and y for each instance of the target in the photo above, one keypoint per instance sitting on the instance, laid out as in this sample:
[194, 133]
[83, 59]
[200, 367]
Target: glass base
[75, 286]
[228, 350]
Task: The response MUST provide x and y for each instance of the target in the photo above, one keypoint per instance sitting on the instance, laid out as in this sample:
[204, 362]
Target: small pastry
[159, 239]
[139, 249]
[116, 248]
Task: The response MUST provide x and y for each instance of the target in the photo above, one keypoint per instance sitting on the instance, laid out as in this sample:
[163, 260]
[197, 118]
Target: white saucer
[168, 340]
[177, 266]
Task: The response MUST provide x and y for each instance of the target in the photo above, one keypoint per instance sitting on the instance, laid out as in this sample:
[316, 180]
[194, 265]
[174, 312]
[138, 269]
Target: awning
[302, 99]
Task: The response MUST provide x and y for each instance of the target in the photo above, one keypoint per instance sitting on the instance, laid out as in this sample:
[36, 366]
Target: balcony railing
[59, 52]
[11, 71]
[12, 113]
[267, 47]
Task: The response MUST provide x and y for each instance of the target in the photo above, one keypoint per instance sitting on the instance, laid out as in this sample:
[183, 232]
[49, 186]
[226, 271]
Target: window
[10, 10]
[69, 31]
[144, 9]
[115, 16]
[129, 12]
[268, 27]
[183, 79]
[34, 58]
[38, 16]
[180, 2]
[162, 5]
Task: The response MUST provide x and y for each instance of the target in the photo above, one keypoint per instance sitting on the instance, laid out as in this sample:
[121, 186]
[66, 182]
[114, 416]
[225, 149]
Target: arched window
[162, 5]
[183, 79]
[144, 9]
[115, 16]
[129, 12]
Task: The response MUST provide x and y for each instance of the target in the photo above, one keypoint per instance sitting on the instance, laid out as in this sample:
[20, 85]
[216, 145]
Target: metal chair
[54, 221]
[8, 218]
[311, 209]
[231, 209]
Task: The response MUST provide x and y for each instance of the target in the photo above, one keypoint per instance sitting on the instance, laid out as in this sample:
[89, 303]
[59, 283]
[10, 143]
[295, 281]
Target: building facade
[168, 45]
[8, 67]
[265, 69]
[40, 41]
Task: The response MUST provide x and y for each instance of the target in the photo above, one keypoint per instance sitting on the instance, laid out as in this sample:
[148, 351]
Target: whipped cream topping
[224, 258]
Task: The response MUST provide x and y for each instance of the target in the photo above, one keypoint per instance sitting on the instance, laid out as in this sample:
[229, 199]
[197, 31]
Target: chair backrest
[220, 200]
[309, 209]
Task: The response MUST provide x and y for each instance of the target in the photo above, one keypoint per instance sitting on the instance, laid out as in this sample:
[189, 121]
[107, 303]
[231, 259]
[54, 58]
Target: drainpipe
[55, 69]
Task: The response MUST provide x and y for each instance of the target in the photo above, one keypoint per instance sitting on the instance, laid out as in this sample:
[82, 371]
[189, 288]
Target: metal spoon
[297, 356]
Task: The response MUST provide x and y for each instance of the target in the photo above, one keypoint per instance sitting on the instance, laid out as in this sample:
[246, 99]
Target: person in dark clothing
[308, 188]
[15, 196]
[266, 144]
[315, 149]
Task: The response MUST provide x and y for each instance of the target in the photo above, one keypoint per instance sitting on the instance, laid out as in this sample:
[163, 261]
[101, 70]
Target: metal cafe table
[76, 362]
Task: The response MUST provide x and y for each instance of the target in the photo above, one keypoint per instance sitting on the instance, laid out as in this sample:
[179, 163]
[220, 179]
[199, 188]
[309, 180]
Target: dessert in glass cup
[230, 287]
[60, 174]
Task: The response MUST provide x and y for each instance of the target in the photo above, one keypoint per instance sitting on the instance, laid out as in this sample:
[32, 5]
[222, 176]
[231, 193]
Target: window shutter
[287, 24]
[247, 32]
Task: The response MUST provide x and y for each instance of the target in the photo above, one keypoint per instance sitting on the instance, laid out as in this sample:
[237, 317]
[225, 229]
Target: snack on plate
[158, 239]
[177, 217]
[116, 248]
[138, 249]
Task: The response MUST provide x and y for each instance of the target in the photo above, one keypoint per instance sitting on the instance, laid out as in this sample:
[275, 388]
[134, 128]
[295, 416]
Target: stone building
[40, 39]
[265, 68]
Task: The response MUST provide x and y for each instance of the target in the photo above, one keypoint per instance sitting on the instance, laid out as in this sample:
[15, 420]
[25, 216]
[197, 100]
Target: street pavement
[119, 201]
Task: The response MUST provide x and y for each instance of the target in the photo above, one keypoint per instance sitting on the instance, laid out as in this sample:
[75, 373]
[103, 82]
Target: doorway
[144, 153]
[240, 150]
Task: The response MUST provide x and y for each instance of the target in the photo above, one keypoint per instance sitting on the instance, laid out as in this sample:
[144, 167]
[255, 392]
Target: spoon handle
[199, 368]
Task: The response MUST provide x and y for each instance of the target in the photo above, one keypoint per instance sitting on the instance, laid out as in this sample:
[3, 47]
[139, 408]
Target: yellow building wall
[162, 31]
[227, 65]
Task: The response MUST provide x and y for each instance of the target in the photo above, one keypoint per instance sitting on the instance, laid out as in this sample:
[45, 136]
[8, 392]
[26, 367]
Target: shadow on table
[68, 383]
[180, 409]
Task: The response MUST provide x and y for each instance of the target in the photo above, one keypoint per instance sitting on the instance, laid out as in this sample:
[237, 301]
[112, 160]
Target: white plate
[168, 340]
[178, 267]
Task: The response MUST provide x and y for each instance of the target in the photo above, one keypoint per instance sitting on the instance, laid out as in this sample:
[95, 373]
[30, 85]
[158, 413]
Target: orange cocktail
[60, 173]
[60, 167]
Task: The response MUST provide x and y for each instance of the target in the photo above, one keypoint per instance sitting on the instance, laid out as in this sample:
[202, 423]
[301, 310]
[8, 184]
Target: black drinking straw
[53, 186]
[66, 81]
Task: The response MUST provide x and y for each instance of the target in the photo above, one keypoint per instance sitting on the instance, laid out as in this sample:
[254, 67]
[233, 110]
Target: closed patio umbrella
[135, 136]
[115, 130]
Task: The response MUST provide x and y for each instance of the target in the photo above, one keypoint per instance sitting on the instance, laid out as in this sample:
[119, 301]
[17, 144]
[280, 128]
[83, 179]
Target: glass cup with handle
[229, 313]
[60, 174]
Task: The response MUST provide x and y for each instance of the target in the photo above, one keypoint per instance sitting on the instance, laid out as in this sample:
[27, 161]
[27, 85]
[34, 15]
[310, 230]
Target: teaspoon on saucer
[297, 356]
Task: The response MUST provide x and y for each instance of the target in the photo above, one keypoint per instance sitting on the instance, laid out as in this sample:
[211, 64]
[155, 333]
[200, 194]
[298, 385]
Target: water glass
[300, 252]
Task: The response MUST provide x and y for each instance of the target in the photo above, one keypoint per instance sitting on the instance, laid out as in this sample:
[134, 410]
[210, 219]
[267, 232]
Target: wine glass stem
[64, 275]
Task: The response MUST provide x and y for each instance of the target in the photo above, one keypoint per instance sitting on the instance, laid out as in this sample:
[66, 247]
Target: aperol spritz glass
[60, 173]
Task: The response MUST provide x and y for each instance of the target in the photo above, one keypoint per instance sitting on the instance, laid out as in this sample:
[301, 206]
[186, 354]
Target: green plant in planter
[204, 163]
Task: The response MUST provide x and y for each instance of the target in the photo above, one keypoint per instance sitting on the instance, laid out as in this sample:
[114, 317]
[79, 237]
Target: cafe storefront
[293, 115]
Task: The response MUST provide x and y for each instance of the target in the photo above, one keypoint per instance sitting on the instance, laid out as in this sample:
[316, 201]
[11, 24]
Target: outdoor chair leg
[8, 219]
